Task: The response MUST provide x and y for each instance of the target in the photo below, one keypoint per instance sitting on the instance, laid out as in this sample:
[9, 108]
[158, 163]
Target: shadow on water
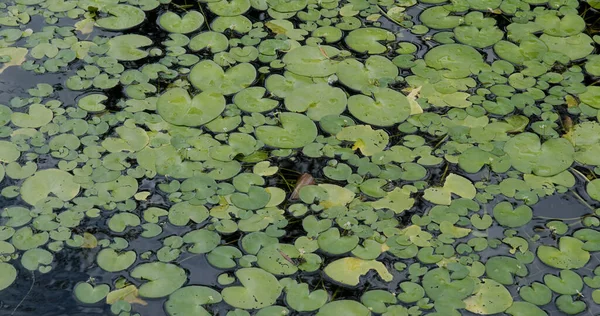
[15, 82]
[51, 293]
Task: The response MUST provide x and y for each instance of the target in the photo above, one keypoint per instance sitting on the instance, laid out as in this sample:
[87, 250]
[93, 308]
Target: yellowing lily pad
[348, 270]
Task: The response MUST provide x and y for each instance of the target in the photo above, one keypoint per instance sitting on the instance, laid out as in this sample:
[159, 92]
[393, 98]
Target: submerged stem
[26, 294]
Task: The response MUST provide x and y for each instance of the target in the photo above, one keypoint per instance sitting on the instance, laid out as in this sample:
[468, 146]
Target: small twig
[582, 200]
[387, 16]
[205, 18]
[26, 294]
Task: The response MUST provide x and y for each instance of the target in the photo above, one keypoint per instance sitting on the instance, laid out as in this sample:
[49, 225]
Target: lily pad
[490, 297]
[312, 61]
[568, 255]
[386, 108]
[529, 155]
[89, 294]
[177, 107]
[111, 261]
[367, 40]
[127, 47]
[189, 300]
[259, 289]
[344, 307]
[122, 17]
[164, 278]
[317, 100]
[210, 77]
[173, 23]
[8, 275]
[49, 181]
[348, 270]
[296, 131]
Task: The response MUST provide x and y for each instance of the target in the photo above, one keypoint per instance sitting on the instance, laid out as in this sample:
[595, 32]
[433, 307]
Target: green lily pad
[366, 77]
[229, 8]
[210, 77]
[202, 240]
[49, 181]
[173, 23]
[454, 60]
[530, 48]
[189, 300]
[490, 297]
[37, 259]
[111, 261]
[537, 293]
[311, 61]
[575, 47]
[331, 242]
[177, 107]
[525, 309]
[367, 40]
[568, 255]
[301, 299]
[317, 100]
[344, 307]
[439, 17]
[122, 17]
[569, 282]
[509, 217]
[9, 152]
[546, 159]
[92, 102]
[181, 213]
[259, 289]
[568, 25]
[89, 294]
[37, 116]
[213, 41]
[274, 259]
[296, 131]
[386, 108]
[252, 100]
[164, 278]
[8, 275]
[127, 47]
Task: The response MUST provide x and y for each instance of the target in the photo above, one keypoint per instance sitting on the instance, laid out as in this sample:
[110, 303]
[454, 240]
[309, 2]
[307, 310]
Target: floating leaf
[173, 23]
[490, 297]
[296, 130]
[49, 181]
[348, 270]
[177, 107]
[164, 278]
[569, 254]
[128, 294]
[89, 294]
[7, 276]
[259, 289]
[189, 300]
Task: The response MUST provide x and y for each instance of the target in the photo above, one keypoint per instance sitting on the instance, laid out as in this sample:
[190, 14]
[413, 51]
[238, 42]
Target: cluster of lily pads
[435, 127]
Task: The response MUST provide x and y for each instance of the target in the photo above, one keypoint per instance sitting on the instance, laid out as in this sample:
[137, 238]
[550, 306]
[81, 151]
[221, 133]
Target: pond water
[299, 157]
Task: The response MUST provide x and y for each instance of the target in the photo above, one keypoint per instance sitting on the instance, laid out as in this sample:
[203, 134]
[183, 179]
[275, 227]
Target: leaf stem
[26, 294]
